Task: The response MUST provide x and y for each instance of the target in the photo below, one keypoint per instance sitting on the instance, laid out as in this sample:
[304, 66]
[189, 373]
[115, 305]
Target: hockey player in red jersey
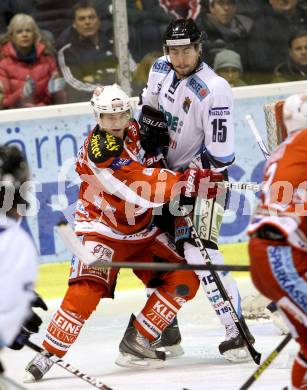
[114, 215]
[278, 230]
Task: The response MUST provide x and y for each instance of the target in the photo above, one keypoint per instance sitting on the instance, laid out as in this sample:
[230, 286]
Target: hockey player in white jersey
[18, 256]
[198, 108]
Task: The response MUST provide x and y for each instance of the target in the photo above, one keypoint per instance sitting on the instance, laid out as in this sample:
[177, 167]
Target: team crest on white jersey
[186, 104]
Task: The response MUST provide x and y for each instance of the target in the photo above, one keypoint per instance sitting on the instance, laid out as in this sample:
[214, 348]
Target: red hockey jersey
[283, 200]
[118, 188]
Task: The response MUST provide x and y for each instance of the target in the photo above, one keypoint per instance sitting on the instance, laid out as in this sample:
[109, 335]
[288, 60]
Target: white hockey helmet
[109, 99]
[295, 112]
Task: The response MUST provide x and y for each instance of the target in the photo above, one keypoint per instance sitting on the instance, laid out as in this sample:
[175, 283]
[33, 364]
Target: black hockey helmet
[14, 171]
[182, 32]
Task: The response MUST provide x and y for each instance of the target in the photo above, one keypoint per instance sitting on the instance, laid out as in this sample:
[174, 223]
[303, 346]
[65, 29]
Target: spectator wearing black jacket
[87, 59]
[225, 29]
[295, 67]
[147, 21]
[268, 43]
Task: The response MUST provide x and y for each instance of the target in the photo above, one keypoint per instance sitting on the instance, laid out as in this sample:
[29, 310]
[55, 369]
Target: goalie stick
[68, 367]
[80, 251]
[266, 363]
[250, 120]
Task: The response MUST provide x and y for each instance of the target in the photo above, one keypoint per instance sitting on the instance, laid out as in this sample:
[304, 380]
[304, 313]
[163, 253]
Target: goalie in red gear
[114, 215]
[278, 230]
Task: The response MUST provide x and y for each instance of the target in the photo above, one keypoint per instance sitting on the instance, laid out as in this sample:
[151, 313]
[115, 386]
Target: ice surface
[201, 368]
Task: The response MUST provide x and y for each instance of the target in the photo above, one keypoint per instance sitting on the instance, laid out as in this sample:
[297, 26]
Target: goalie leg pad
[207, 219]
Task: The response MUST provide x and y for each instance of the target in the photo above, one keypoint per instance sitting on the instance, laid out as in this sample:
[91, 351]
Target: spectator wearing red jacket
[28, 71]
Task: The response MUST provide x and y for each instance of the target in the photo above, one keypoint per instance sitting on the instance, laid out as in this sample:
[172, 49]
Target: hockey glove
[200, 182]
[31, 324]
[153, 130]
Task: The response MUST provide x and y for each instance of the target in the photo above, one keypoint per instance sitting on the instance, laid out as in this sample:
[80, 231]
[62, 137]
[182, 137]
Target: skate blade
[29, 378]
[128, 360]
[172, 351]
[238, 355]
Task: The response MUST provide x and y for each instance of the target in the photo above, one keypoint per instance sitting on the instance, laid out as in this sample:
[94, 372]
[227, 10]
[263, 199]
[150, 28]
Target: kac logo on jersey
[198, 87]
[118, 163]
[186, 104]
[161, 67]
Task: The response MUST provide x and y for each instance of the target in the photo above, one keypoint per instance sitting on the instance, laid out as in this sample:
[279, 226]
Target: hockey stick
[250, 120]
[92, 381]
[194, 234]
[266, 363]
[216, 278]
[80, 251]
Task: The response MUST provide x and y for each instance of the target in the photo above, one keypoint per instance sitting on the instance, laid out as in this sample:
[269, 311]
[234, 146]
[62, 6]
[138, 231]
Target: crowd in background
[65, 48]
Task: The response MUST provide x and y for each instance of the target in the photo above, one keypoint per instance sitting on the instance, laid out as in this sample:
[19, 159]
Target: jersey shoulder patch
[198, 87]
[104, 145]
[161, 66]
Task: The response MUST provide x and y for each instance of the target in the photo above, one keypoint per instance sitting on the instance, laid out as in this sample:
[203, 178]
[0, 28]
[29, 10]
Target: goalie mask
[14, 172]
[110, 99]
[295, 112]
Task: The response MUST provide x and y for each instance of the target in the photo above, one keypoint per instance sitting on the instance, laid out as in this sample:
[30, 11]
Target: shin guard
[62, 332]
[193, 256]
[158, 313]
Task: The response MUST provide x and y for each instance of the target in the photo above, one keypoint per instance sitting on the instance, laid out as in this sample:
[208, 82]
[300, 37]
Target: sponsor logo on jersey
[161, 67]
[219, 111]
[148, 171]
[118, 163]
[94, 145]
[283, 269]
[169, 98]
[111, 143]
[103, 253]
[198, 87]
[186, 104]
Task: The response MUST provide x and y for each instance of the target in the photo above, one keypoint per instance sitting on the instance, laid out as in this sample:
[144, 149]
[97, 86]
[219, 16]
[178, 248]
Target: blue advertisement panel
[51, 144]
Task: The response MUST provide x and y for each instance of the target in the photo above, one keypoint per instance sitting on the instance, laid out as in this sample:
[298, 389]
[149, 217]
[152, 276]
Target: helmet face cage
[295, 112]
[181, 32]
[110, 99]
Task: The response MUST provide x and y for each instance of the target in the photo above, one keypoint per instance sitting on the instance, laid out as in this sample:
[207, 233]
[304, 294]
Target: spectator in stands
[268, 44]
[182, 9]
[251, 8]
[140, 75]
[28, 72]
[87, 59]
[50, 15]
[147, 21]
[227, 63]
[295, 67]
[225, 29]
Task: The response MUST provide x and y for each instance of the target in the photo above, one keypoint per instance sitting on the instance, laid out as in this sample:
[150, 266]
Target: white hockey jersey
[199, 112]
[18, 272]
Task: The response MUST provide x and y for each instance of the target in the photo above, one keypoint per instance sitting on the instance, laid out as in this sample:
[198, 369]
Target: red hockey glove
[200, 182]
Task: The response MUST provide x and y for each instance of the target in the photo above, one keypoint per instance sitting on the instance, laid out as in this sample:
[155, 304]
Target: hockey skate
[136, 351]
[169, 341]
[38, 367]
[234, 348]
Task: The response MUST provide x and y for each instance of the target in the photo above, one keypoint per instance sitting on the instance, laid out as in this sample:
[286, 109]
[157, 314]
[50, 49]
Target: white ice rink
[201, 368]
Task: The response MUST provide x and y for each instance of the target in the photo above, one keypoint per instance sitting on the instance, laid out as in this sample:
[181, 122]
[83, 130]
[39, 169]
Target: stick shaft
[250, 120]
[266, 363]
[68, 367]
